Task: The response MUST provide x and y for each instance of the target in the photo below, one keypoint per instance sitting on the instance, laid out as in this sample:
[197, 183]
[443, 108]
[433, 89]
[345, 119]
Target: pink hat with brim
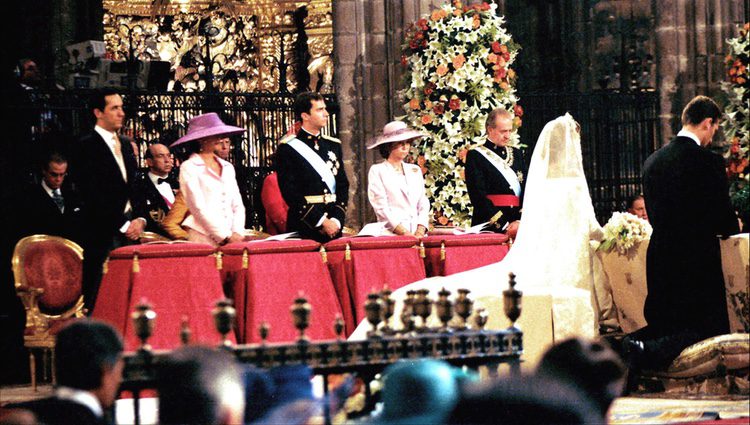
[395, 131]
[207, 125]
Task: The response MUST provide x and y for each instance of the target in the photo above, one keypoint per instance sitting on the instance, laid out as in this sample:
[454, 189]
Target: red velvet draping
[372, 264]
[177, 279]
[462, 252]
[274, 273]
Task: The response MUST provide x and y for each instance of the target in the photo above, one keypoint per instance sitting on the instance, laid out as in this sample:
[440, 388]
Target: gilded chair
[48, 278]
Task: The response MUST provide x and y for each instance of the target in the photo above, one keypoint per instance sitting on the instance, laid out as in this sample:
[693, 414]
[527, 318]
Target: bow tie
[161, 180]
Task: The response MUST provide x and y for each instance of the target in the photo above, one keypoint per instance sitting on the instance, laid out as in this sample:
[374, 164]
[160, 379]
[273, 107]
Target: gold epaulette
[287, 138]
[330, 139]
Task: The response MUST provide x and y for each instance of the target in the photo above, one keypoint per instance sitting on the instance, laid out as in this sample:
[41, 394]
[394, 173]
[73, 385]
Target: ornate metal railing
[461, 344]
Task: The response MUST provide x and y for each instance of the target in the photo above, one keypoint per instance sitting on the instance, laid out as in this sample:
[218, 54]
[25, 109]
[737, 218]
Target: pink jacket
[215, 203]
[398, 199]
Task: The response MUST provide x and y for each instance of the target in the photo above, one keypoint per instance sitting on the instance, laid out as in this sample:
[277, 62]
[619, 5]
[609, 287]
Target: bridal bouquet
[457, 63]
[623, 231]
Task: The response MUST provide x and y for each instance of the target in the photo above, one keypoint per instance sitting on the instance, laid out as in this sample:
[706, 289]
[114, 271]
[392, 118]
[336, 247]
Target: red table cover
[373, 263]
[177, 279]
[463, 252]
[274, 275]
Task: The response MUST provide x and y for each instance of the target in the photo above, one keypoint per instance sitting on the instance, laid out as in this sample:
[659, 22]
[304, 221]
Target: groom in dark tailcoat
[686, 193]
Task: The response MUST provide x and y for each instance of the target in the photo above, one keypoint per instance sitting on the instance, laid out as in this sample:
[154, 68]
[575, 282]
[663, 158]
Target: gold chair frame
[37, 320]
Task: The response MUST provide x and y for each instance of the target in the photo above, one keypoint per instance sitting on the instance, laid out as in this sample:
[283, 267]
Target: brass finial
[464, 306]
[185, 332]
[423, 307]
[105, 266]
[480, 319]
[388, 307]
[442, 250]
[301, 310]
[219, 260]
[422, 253]
[348, 252]
[444, 308]
[144, 320]
[512, 300]
[373, 311]
[224, 315]
[245, 259]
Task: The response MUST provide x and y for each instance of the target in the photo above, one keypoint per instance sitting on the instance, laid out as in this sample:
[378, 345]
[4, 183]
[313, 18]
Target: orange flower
[503, 49]
[511, 74]
[740, 80]
[476, 22]
[496, 46]
[517, 122]
[438, 15]
[462, 173]
[504, 86]
[442, 70]
[518, 110]
[414, 104]
[427, 104]
[459, 61]
[462, 154]
[501, 61]
[426, 119]
[457, 12]
[443, 220]
[454, 104]
[492, 58]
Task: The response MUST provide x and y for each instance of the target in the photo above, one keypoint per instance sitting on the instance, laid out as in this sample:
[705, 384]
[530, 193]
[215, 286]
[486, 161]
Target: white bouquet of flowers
[623, 231]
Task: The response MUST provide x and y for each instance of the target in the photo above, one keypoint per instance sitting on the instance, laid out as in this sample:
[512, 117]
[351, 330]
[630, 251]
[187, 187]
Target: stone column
[367, 38]
[691, 46]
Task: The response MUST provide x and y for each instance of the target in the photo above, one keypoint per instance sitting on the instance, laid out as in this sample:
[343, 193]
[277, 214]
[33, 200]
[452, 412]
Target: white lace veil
[552, 247]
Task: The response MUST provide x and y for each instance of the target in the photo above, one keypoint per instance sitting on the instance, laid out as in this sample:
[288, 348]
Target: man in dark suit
[155, 190]
[686, 193]
[88, 368]
[51, 207]
[311, 174]
[105, 170]
[495, 176]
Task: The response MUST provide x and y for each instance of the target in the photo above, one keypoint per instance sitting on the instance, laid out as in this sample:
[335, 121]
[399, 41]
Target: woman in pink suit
[396, 189]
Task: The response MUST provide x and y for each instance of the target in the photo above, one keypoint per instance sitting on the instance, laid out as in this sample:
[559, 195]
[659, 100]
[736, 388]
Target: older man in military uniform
[311, 174]
[495, 176]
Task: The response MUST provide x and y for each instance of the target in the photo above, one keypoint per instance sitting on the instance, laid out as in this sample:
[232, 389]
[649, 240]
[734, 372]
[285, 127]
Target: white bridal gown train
[553, 254]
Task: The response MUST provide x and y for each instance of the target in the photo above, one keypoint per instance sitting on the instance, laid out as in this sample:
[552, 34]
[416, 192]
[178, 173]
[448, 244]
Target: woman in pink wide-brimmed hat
[396, 188]
[209, 185]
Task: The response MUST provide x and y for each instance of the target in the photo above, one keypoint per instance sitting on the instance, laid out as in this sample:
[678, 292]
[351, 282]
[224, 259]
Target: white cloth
[81, 397]
[163, 188]
[398, 198]
[215, 203]
[552, 254]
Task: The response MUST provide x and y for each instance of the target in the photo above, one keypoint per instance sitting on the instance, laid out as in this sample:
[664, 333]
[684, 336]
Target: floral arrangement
[457, 63]
[623, 231]
[736, 122]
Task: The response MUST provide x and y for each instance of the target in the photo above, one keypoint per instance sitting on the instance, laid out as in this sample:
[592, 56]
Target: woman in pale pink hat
[209, 185]
[396, 189]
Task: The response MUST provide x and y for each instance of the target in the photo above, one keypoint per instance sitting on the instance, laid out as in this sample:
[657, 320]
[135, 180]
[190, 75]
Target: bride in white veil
[552, 254]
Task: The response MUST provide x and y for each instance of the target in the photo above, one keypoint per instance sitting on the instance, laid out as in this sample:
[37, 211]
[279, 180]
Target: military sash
[315, 161]
[502, 167]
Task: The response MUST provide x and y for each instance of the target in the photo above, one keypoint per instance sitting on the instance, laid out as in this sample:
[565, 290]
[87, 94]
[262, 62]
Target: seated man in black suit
[155, 190]
[51, 207]
[88, 368]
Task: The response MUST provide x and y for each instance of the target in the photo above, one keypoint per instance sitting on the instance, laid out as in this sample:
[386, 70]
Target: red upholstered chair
[178, 279]
[265, 277]
[47, 271]
[273, 203]
[448, 254]
[361, 265]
